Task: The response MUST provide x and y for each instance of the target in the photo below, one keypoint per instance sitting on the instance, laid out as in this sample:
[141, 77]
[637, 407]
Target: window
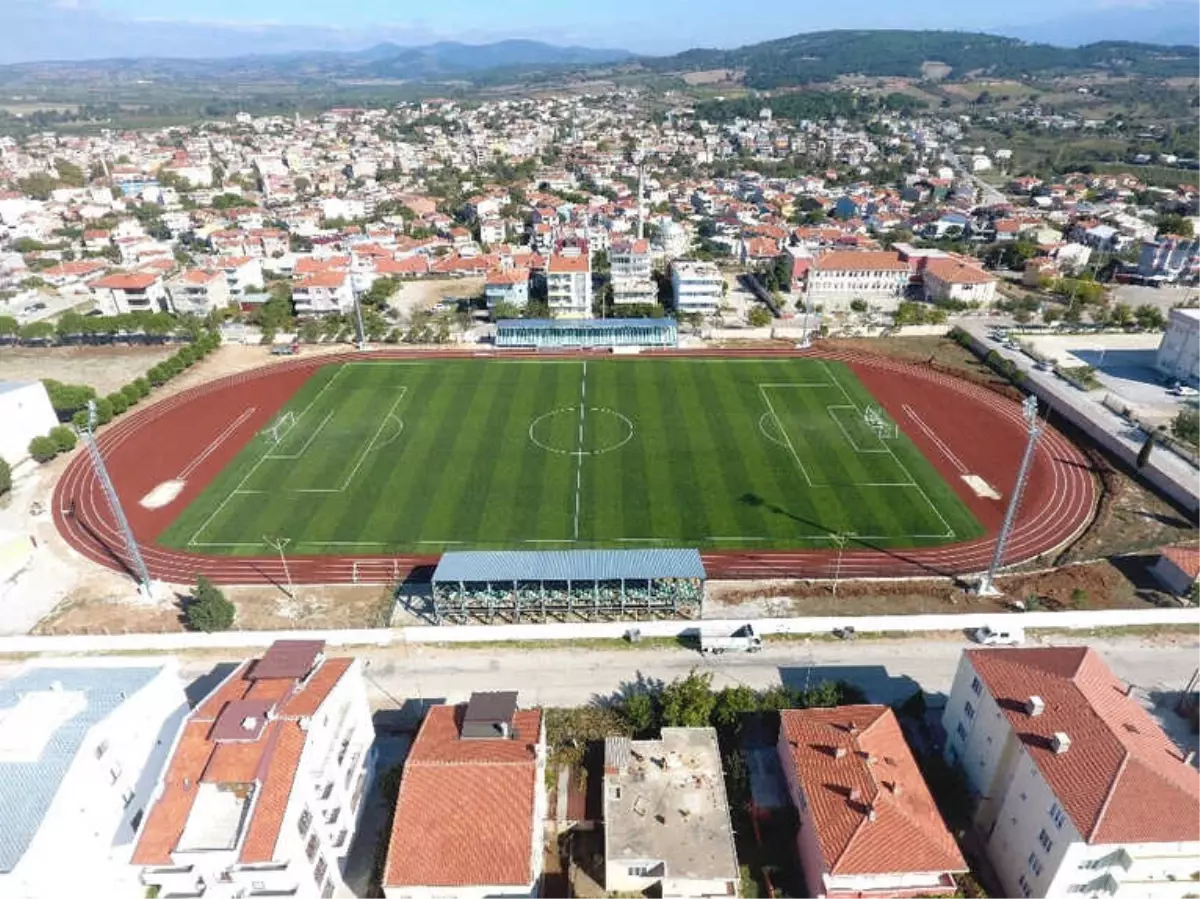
[304, 822]
[1035, 864]
[101, 748]
[319, 870]
[327, 890]
[639, 871]
[127, 798]
[969, 711]
[1058, 816]
[313, 845]
[341, 838]
[136, 821]
[115, 772]
[1024, 885]
[961, 731]
[1044, 839]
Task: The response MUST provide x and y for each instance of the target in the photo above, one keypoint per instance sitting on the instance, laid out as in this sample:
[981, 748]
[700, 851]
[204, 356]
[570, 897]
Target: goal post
[875, 419]
[275, 430]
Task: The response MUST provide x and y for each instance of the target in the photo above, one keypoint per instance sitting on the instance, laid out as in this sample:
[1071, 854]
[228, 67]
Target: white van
[1003, 635]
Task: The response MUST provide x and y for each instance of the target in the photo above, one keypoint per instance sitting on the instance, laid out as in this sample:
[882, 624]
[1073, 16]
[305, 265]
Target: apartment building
[199, 291]
[509, 286]
[243, 274]
[323, 293]
[124, 292]
[471, 805]
[840, 277]
[666, 816]
[954, 280]
[630, 267]
[696, 287]
[868, 824]
[81, 748]
[1078, 790]
[265, 782]
[569, 283]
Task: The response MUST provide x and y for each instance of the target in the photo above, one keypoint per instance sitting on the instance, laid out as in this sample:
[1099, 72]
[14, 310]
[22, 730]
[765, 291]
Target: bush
[759, 317]
[158, 375]
[142, 386]
[42, 449]
[64, 438]
[131, 394]
[5, 477]
[118, 402]
[104, 411]
[80, 419]
[209, 610]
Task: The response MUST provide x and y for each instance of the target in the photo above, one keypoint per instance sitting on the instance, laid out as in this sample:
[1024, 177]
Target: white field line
[363, 455]
[937, 441]
[786, 437]
[949, 530]
[846, 434]
[217, 441]
[579, 446]
[261, 459]
[307, 443]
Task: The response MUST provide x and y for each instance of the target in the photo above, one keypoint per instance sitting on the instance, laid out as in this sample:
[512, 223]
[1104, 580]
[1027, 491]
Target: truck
[1000, 635]
[285, 349]
[744, 639]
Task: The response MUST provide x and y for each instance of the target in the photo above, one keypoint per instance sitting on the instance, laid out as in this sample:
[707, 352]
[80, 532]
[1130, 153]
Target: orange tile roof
[465, 808]
[1122, 780]
[1186, 559]
[412, 265]
[306, 265]
[331, 279]
[855, 261]
[125, 281]
[580, 263]
[953, 271]
[876, 771]
[270, 762]
[508, 276]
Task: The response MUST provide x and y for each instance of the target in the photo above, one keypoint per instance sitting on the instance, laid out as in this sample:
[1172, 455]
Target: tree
[104, 411]
[1149, 317]
[1171, 223]
[67, 399]
[759, 317]
[5, 477]
[688, 702]
[64, 438]
[732, 706]
[1186, 426]
[503, 310]
[640, 712]
[208, 609]
[42, 449]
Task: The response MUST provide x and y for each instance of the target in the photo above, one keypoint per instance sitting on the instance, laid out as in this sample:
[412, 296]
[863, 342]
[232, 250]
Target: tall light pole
[987, 586]
[279, 544]
[362, 335]
[840, 539]
[135, 555]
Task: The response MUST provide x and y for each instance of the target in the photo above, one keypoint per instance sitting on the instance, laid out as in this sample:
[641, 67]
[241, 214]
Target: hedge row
[61, 439]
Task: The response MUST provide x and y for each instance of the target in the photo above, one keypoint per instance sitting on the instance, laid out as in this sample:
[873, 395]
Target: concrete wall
[504, 633]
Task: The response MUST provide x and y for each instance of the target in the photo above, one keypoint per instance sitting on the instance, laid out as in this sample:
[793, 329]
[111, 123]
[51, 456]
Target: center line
[579, 446]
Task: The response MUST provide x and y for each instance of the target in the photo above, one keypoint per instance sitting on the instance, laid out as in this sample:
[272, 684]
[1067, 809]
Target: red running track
[960, 427]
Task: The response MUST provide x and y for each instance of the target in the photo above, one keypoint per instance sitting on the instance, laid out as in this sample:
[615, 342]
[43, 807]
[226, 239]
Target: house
[67, 273]
[569, 283]
[199, 291]
[839, 277]
[509, 286]
[1178, 354]
[630, 263]
[1178, 568]
[471, 805]
[82, 744]
[867, 822]
[243, 274]
[265, 782]
[321, 293]
[123, 292]
[696, 286]
[666, 816]
[492, 231]
[1077, 789]
[951, 279]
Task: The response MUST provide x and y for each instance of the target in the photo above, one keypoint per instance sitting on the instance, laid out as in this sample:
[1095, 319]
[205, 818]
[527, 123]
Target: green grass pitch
[422, 456]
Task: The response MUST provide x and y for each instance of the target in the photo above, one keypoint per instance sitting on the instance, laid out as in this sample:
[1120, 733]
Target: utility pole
[987, 586]
[135, 555]
[278, 544]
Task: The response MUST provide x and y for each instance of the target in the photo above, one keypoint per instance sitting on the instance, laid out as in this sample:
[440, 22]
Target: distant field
[422, 456]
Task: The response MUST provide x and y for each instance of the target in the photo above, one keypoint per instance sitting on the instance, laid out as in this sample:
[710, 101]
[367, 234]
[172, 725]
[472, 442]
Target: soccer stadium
[356, 468]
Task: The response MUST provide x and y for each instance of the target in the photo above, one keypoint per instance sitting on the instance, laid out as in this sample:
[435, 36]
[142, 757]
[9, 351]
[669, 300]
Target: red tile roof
[875, 771]
[1122, 780]
[125, 281]
[465, 809]
[855, 261]
[560, 263]
[330, 279]
[1185, 558]
[269, 762]
[952, 271]
[508, 276]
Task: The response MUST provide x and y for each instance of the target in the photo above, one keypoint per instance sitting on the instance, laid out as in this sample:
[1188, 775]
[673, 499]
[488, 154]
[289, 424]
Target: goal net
[275, 430]
[883, 427]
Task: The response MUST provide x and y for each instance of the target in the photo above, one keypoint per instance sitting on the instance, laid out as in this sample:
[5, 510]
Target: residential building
[123, 292]
[265, 782]
[666, 816]
[1170, 258]
[471, 805]
[1078, 790]
[199, 291]
[868, 824]
[82, 744]
[839, 277]
[697, 286]
[630, 265]
[953, 280]
[1179, 352]
[569, 283]
[244, 274]
[509, 286]
[323, 293]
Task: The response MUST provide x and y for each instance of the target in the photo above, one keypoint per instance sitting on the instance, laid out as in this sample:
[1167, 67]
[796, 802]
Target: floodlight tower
[114, 503]
[987, 586]
[358, 322]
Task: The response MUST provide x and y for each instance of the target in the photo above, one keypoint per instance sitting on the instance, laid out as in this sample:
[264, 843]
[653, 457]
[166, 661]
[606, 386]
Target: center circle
[581, 431]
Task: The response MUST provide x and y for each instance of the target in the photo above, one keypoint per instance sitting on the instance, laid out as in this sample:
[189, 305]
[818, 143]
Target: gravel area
[106, 368]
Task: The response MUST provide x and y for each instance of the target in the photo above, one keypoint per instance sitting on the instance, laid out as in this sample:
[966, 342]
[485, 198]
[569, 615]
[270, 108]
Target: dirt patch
[107, 368]
[713, 76]
[427, 293]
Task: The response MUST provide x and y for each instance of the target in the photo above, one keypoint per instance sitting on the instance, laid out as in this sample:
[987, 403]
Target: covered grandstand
[548, 333]
[589, 584]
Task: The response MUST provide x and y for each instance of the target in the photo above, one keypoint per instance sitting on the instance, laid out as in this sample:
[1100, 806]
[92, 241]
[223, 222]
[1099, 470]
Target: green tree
[1149, 317]
[67, 399]
[37, 331]
[64, 438]
[5, 477]
[732, 706]
[688, 701]
[208, 609]
[759, 317]
[503, 310]
[42, 449]
[640, 711]
[118, 402]
[104, 411]
[9, 326]
[1186, 426]
[1171, 223]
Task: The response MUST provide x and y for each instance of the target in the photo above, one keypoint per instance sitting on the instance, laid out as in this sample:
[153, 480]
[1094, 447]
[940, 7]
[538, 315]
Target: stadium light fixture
[987, 586]
[279, 544]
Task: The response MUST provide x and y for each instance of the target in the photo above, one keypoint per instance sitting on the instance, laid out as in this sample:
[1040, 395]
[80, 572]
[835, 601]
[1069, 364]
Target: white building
[1179, 353]
[472, 803]
[674, 238]
[509, 286]
[81, 747]
[950, 279]
[1079, 791]
[323, 293]
[123, 292]
[840, 277]
[26, 412]
[243, 274]
[696, 286]
[569, 283]
[265, 782]
[630, 264]
[199, 291]
[666, 816]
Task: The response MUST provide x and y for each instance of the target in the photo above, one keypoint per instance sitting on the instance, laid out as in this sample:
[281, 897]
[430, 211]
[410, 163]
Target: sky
[83, 29]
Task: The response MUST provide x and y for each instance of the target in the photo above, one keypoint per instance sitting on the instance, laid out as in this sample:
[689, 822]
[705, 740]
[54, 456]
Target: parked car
[1002, 635]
